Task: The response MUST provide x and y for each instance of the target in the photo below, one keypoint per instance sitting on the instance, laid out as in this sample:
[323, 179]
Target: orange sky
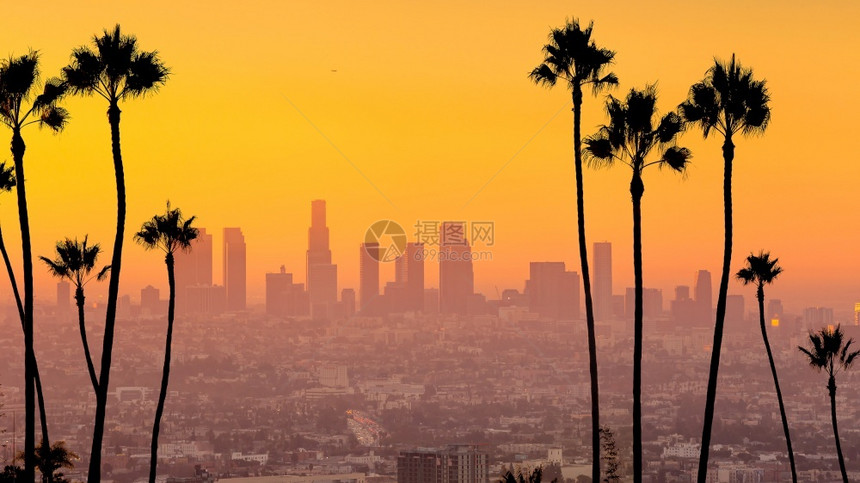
[429, 101]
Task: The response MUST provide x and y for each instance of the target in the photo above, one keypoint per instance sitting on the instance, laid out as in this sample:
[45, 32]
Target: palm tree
[761, 270]
[115, 70]
[830, 351]
[573, 57]
[52, 458]
[168, 232]
[7, 182]
[75, 261]
[21, 106]
[629, 138]
[729, 101]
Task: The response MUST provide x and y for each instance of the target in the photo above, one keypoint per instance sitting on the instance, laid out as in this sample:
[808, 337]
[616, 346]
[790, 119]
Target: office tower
[817, 317]
[683, 307]
[63, 296]
[553, 292]
[602, 287]
[735, 308]
[415, 276]
[775, 310]
[347, 298]
[321, 273]
[452, 464]
[704, 301]
[193, 268]
[368, 289]
[652, 302]
[283, 297]
[150, 300]
[456, 276]
[234, 268]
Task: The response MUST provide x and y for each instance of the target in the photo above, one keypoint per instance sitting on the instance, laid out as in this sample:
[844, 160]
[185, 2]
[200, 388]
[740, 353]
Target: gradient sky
[428, 103]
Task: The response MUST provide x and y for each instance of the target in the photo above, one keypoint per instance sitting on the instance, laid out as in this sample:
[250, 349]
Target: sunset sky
[426, 113]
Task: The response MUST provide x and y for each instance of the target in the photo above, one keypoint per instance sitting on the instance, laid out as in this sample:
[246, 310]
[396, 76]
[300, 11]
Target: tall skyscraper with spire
[321, 273]
[602, 254]
[235, 268]
[456, 276]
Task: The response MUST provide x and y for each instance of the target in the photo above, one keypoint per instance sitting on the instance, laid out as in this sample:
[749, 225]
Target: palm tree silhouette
[53, 458]
[761, 270]
[629, 138]
[21, 106]
[829, 351]
[75, 261]
[573, 57]
[168, 232]
[116, 71]
[729, 101]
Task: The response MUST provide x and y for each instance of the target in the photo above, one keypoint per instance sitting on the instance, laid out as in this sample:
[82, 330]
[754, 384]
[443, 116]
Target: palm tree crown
[760, 269]
[729, 100]
[631, 135]
[829, 350]
[75, 261]
[167, 232]
[116, 69]
[571, 55]
[19, 80]
[7, 178]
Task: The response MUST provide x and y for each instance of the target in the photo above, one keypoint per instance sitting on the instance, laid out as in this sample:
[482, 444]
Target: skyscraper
[415, 276]
[193, 269]
[552, 291]
[602, 270]
[321, 273]
[453, 464]
[234, 268]
[704, 300]
[63, 291]
[456, 276]
[368, 290]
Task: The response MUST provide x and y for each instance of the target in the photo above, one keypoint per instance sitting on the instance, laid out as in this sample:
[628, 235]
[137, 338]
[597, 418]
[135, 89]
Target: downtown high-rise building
[283, 297]
[194, 274]
[552, 291]
[321, 273]
[452, 464]
[235, 269]
[414, 276]
[704, 299]
[602, 287]
[368, 289]
[456, 275]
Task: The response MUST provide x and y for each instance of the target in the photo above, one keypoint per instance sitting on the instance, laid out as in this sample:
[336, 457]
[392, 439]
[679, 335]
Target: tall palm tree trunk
[18, 148]
[165, 376]
[586, 285]
[79, 300]
[760, 296]
[831, 388]
[94, 475]
[43, 416]
[637, 189]
[711, 397]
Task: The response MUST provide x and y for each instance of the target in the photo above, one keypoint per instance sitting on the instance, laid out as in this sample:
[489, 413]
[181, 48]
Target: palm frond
[7, 177]
[54, 118]
[146, 73]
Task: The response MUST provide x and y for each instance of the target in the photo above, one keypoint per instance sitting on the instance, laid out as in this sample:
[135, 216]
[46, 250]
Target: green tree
[829, 351]
[75, 261]
[610, 454]
[574, 58]
[115, 70]
[24, 101]
[168, 232]
[729, 101]
[629, 138]
[760, 270]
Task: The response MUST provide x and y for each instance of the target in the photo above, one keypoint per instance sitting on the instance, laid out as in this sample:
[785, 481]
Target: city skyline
[377, 126]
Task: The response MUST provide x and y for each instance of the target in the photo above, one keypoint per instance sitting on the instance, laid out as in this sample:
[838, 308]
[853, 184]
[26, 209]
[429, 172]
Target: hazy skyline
[272, 106]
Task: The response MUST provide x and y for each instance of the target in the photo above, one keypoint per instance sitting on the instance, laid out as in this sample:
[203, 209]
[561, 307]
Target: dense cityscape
[337, 389]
